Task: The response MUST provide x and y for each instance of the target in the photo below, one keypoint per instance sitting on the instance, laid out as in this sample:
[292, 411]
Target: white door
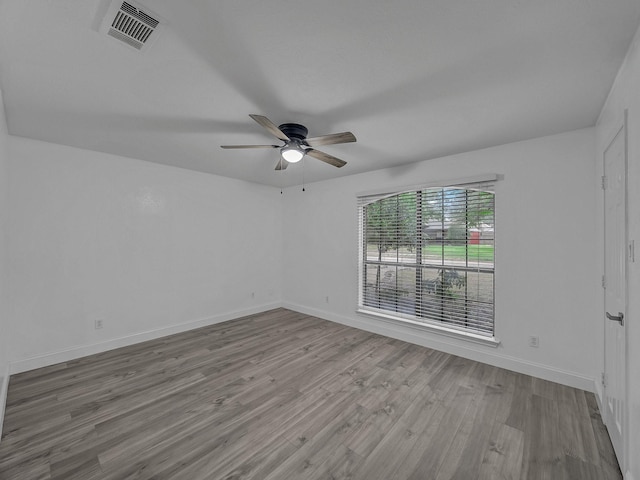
[615, 259]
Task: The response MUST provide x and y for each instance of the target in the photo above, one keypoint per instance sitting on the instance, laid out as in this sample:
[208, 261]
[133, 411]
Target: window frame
[425, 324]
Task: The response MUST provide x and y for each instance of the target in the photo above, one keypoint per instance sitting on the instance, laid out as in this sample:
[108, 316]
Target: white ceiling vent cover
[132, 24]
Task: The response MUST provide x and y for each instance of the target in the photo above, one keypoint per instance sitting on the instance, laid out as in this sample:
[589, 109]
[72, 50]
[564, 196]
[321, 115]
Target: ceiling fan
[297, 145]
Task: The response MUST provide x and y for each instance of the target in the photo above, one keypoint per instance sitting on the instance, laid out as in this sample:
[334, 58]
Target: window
[427, 256]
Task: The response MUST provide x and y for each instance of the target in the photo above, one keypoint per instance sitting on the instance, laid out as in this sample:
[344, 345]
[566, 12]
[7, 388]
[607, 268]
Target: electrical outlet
[534, 341]
[253, 294]
[326, 299]
[98, 323]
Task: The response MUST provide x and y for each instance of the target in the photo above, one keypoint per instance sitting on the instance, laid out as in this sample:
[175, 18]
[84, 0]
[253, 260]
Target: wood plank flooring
[281, 395]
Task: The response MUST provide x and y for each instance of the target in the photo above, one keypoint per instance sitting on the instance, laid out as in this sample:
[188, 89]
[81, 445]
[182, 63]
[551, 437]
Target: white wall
[4, 297]
[625, 95]
[149, 249]
[546, 278]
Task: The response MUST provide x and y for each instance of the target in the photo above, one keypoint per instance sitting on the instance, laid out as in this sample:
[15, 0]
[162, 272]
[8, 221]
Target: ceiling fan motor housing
[294, 130]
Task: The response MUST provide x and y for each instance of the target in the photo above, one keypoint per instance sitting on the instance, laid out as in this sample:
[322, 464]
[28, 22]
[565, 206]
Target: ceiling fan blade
[282, 164]
[325, 157]
[249, 146]
[270, 126]
[331, 139]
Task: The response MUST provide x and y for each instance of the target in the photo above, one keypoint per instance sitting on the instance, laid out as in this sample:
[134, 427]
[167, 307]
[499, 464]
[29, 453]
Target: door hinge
[604, 281]
[632, 251]
[604, 182]
[603, 379]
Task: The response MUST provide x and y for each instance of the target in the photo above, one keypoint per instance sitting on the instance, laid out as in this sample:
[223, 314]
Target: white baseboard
[472, 351]
[79, 351]
[599, 393]
[486, 355]
[4, 387]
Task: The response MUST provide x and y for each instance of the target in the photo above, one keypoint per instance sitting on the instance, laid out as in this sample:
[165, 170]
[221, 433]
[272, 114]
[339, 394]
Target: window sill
[432, 328]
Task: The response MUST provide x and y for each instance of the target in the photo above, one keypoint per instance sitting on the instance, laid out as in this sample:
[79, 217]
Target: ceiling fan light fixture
[291, 154]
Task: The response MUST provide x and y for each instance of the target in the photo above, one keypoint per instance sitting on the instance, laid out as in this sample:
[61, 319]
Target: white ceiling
[412, 79]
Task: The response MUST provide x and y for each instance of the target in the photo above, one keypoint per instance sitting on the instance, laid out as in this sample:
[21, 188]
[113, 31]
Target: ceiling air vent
[132, 24]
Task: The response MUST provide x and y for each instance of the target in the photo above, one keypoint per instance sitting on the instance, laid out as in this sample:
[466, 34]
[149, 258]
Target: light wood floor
[281, 395]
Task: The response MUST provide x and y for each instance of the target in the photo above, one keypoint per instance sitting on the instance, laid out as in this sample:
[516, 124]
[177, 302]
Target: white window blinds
[427, 255]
